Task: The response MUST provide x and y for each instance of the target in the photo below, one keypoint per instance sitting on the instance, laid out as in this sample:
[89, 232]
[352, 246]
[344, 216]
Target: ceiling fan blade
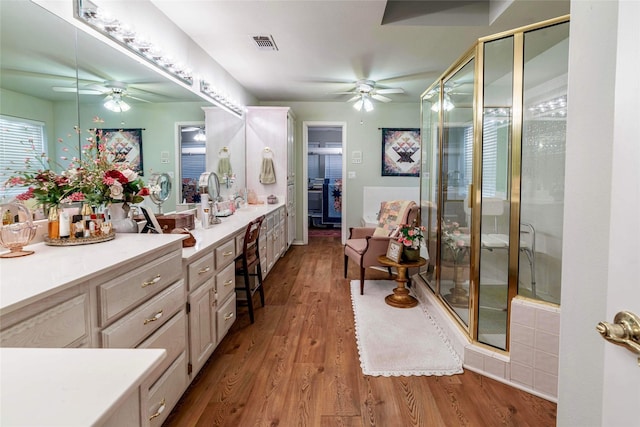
[381, 98]
[126, 95]
[343, 93]
[390, 90]
[354, 98]
[74, 90]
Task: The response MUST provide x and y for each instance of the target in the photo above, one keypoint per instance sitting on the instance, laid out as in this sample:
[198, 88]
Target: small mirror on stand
[160, 189]
[209, 195]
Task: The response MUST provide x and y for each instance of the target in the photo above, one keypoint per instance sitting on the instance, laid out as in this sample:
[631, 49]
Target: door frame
[305, 175]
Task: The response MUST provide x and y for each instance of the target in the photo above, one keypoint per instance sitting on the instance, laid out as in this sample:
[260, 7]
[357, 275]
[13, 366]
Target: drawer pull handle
[228, 316]
[151, 282]
[204, 270]
[228, 282]
[226, 254]
[154, 318]
[160, 410]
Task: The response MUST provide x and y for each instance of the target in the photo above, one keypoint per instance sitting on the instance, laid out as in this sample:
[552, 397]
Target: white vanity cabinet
[211, 300]
[273, 128]
[124, 294]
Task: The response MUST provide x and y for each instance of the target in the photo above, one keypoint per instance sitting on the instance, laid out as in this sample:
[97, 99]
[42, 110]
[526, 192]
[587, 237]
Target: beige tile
[522, 334]
[545, 362]
[522, 374]
[548, 321]
[522, 354]
[545, 383]
[473, 358]
[549, 343]
[495, 367]
[523, 315]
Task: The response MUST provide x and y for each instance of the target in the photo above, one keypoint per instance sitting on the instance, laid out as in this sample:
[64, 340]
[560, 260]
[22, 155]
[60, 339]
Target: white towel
[267, 172]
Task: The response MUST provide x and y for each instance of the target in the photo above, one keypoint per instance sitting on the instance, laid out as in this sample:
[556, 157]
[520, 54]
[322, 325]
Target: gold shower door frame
[431, 274]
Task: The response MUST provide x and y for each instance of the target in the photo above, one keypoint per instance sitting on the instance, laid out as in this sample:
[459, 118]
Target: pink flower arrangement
[411, 236]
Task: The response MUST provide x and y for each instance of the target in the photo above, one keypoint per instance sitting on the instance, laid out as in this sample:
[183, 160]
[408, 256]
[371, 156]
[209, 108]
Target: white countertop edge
[53, 269]
[69, 387]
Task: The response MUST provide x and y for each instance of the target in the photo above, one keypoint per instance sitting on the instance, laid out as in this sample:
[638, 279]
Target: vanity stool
[249, 260]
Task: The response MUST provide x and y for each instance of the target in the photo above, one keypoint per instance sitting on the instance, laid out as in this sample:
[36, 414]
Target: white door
[599, 382]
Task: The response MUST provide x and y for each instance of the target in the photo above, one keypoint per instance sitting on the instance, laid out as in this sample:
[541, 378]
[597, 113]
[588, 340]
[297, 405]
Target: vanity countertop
[206, 238]
[69, 387]
[52, 269]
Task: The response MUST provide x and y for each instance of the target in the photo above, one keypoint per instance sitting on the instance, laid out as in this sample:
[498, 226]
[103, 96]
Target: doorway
[323, 166]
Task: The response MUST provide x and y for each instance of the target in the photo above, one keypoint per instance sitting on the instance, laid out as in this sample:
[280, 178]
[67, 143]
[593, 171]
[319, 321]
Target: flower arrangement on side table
[411, 237]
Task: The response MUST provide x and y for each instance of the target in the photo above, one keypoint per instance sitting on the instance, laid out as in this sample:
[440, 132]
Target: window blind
[19, 139]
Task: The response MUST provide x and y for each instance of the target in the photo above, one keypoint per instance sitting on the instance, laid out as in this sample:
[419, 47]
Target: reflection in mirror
[41, 81]
[33, 111]
[193, 160]
[159, 189]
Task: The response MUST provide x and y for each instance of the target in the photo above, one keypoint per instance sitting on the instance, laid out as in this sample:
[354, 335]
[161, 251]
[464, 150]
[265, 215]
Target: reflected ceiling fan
[365, 91]
[115, 93]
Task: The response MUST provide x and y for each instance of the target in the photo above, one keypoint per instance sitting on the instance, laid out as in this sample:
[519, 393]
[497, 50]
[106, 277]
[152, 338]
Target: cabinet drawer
[166, 392]
[140, 323]
[271, 221]
[64, 325]
[123, 293]
[172, 336]
[225, 254]
[200, 271]
[226, 316]
[226, 282]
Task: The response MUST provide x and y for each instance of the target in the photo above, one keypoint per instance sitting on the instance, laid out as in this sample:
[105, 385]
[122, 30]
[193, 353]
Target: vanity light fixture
[219, 99]
[125, 36]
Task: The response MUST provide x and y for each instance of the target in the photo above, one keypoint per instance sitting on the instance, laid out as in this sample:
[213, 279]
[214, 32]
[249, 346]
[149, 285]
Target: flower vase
[121, 221]
[411, 254]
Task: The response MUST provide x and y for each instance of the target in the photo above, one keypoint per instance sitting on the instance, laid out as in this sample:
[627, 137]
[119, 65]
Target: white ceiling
[325, 46]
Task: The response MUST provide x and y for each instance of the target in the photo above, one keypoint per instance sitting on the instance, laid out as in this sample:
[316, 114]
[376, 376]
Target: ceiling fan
[115, 93]
[365, 90]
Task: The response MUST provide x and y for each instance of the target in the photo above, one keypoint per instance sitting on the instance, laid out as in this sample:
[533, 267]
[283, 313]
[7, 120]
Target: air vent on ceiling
[265, 42]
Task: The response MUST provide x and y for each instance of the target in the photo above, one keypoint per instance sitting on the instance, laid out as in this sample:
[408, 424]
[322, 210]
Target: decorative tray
[79, 240]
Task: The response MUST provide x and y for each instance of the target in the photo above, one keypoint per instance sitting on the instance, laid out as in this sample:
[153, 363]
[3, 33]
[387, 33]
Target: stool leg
[260, 289]
[247, 285]
[361, 281]
[346, 260]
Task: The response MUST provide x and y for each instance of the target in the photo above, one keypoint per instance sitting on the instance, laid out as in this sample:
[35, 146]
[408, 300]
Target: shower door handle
[624, 331]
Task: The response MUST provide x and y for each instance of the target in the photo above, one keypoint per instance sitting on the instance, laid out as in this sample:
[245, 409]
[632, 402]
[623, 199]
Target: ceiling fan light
[117, 105]
[358, 104]
[368, 105]
[200, 136]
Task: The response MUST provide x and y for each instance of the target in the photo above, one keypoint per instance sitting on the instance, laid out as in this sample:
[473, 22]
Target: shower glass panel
[429, 179]
[546, 53]
[494, 226]
[456, 177]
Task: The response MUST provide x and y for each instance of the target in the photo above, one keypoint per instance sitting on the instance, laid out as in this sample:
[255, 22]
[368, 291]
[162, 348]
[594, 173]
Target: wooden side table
[400, 297]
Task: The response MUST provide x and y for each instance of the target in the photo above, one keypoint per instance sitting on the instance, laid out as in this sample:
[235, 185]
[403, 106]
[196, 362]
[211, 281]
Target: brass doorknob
[624, 331]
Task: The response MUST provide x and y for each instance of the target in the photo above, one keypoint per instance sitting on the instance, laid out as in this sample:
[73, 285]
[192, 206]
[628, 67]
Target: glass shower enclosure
[492, 177]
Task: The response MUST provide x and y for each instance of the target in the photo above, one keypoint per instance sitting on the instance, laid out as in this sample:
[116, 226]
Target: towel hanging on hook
[267, 171]
[224, 162]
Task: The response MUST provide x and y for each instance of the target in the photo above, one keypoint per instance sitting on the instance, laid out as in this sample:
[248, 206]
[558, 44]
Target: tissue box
[178, 220]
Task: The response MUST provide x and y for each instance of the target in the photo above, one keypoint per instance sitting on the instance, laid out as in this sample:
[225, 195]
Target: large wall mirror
[58, 77]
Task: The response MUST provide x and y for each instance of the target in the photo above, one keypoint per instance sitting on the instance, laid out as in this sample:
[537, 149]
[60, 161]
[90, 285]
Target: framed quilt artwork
[127, 144]
[400, 152]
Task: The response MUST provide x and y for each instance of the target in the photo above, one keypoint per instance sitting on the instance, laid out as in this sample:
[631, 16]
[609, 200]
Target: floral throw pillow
[393, 213]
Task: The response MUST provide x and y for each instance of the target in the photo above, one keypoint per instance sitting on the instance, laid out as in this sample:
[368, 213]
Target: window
[17, 137]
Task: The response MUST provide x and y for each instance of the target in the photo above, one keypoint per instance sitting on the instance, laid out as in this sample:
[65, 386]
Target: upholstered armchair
[365, 244]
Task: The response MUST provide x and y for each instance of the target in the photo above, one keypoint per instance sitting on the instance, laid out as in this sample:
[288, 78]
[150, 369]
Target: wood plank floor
[298, 365]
